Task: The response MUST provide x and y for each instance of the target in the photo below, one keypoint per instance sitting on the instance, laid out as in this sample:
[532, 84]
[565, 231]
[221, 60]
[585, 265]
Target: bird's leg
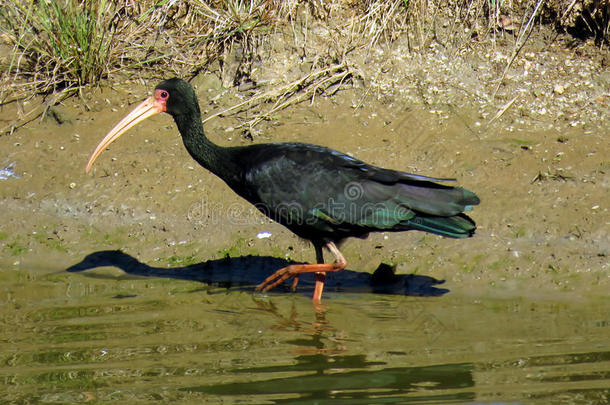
[320, 276]
[295, 269]
[319, 260]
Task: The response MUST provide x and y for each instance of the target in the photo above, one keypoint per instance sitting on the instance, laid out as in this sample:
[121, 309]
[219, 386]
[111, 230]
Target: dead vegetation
[55, 48]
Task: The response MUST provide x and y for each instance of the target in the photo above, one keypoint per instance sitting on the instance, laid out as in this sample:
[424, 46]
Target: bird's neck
[215, 158]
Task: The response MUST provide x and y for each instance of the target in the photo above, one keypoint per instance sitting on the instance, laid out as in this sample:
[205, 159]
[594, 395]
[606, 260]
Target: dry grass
[57, 47]
[282, 96]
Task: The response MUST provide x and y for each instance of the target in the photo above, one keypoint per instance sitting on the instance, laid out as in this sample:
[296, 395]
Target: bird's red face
[153, 105]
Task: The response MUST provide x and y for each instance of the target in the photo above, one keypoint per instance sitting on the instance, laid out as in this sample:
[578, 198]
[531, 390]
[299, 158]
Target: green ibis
[318, 193]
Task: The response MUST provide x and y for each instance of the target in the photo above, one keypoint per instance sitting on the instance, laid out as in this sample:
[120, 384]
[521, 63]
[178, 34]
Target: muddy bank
[536, 152]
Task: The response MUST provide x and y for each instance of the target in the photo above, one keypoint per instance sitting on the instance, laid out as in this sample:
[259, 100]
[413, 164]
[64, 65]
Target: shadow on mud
[245, 272]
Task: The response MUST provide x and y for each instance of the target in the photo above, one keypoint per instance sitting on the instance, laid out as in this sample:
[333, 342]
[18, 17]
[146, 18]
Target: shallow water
[101, 335]
[522, 318]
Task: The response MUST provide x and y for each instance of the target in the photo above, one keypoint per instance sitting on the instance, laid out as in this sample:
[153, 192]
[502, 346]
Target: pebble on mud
[559, 89]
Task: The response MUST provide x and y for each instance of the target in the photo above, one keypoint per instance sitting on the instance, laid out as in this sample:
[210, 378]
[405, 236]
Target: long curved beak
[149, 107]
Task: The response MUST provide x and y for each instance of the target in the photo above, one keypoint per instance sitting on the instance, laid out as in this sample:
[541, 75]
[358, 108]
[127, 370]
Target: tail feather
[436, 199]
[457, 226]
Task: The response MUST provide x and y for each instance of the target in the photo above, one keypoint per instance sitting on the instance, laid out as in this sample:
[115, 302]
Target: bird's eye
[161, 95]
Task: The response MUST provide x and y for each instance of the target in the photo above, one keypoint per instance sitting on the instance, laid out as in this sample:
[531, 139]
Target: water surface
[105, 336]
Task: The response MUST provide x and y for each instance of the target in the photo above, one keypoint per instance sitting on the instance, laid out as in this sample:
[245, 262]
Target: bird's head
[174, 96]
[178, 96]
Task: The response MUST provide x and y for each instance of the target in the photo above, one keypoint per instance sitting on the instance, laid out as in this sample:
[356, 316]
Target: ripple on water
[143, 340]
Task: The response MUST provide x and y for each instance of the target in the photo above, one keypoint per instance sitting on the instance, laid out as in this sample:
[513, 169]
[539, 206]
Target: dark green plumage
[321, 194]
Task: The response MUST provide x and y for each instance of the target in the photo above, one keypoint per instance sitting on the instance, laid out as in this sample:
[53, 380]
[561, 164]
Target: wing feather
[309, 186]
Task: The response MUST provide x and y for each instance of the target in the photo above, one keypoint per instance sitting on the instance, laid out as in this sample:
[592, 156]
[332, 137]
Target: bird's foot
[294, 270]
[280, 276]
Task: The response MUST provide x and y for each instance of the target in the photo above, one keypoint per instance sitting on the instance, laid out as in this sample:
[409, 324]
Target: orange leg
[319, 287]
[319, 277]
[295, 269]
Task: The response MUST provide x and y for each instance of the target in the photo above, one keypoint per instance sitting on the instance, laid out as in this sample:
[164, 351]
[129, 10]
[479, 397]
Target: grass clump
[61, 44]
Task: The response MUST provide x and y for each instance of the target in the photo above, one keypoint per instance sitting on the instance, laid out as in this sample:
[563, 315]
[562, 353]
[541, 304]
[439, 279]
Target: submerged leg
[295, 269]
[320, 276]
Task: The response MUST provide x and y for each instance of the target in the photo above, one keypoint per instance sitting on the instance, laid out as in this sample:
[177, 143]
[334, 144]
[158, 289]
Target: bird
[320, 194]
